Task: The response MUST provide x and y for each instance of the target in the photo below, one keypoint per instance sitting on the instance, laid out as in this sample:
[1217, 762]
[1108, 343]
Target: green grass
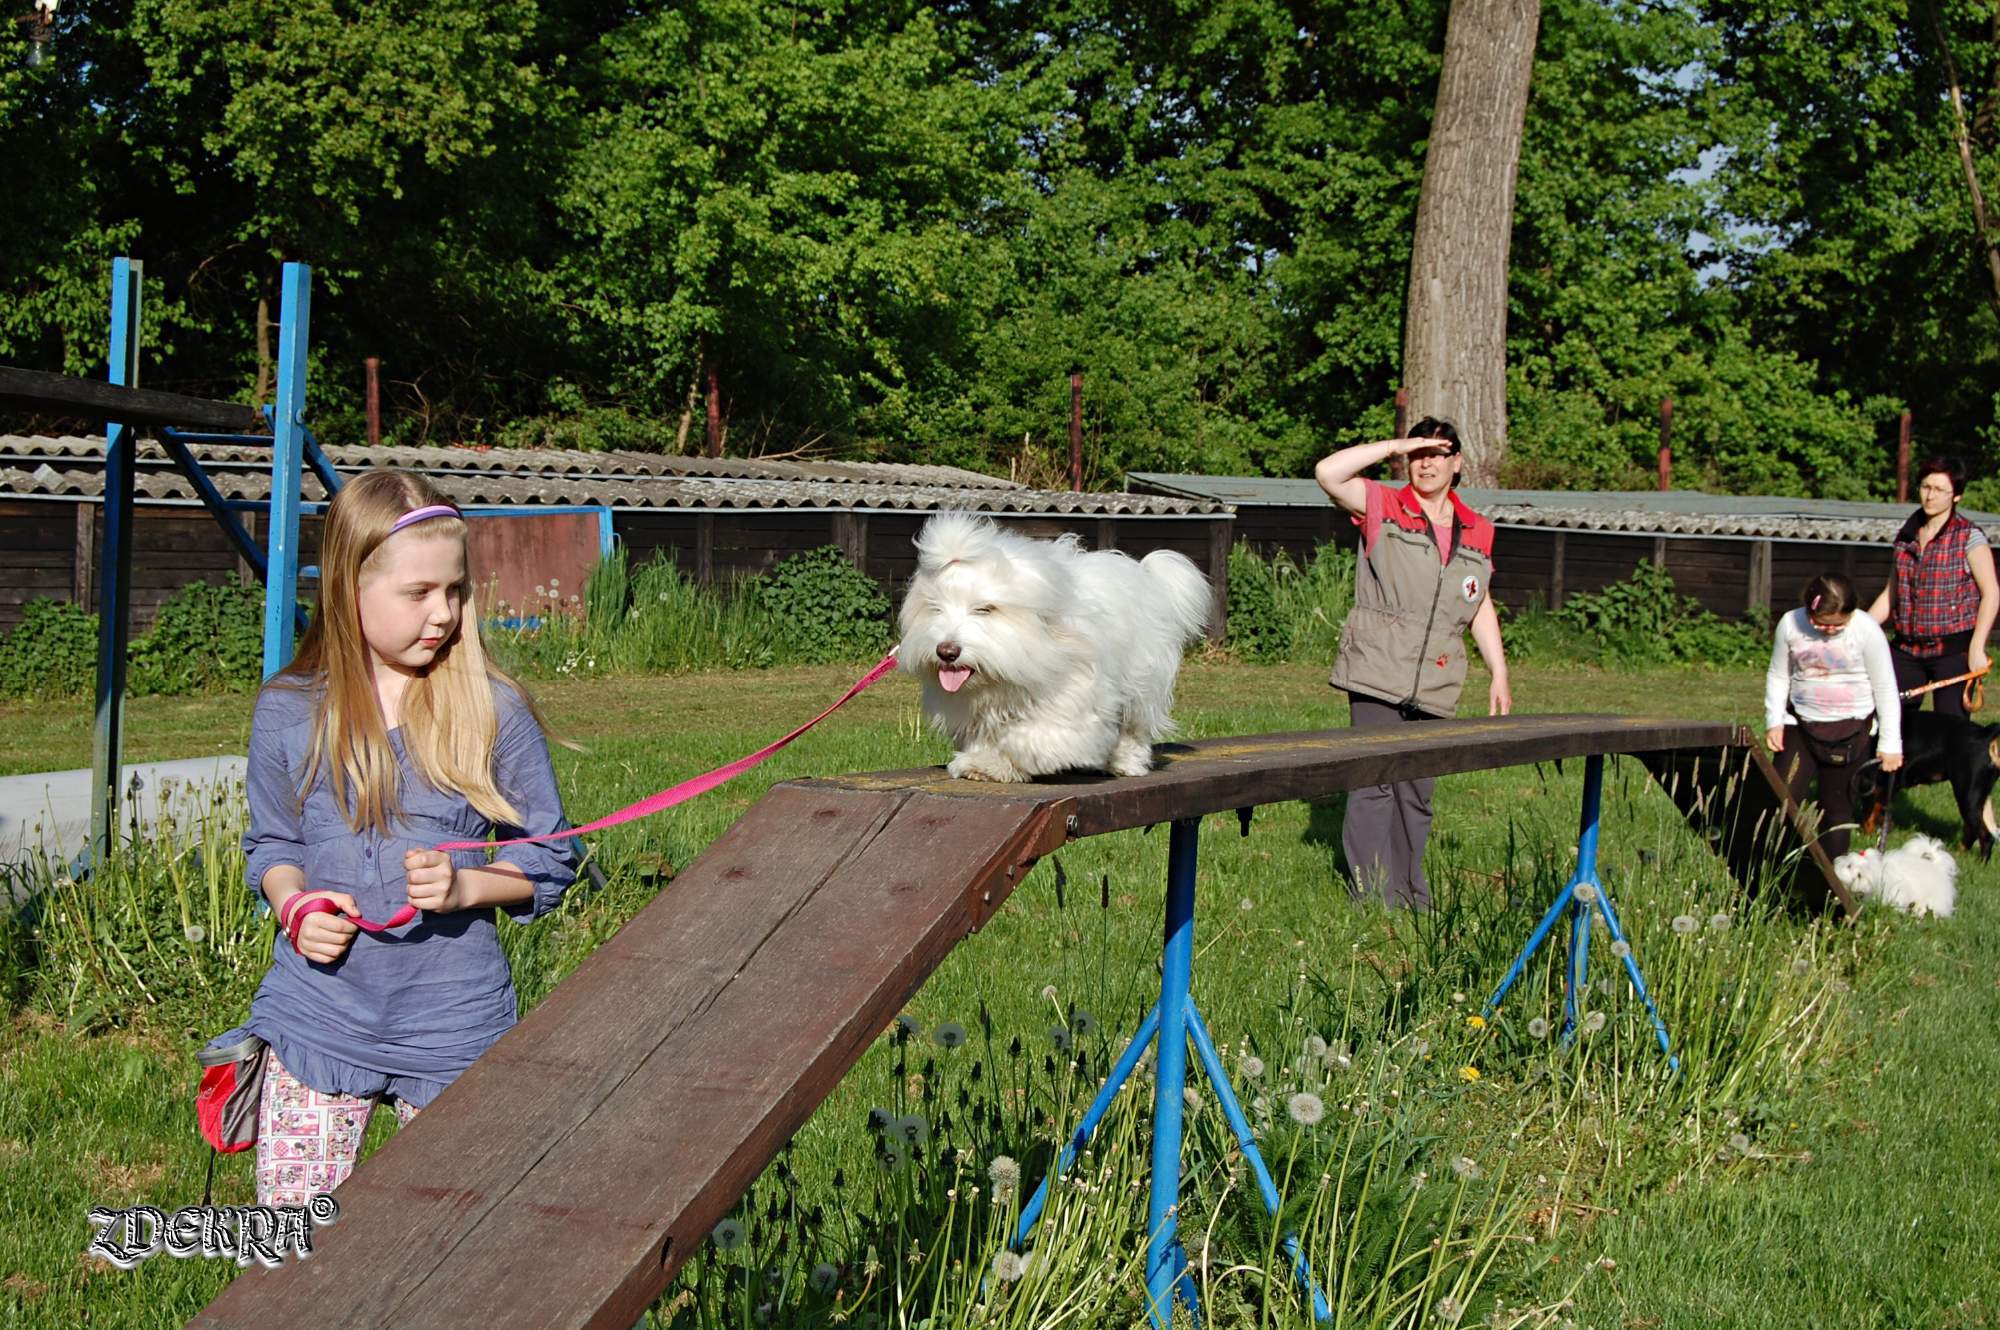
[1883, 1120]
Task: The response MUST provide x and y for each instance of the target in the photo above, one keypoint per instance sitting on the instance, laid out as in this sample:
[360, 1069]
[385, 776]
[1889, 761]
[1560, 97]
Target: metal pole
[1163, 1248]
[1585, 876]
[1903, 459]
[374, 367]
[114, 595]
[1076, 429]
[281, 585]
[1666, 444]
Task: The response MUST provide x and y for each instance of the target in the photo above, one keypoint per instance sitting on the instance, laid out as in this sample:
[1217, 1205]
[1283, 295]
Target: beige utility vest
[1404, 641]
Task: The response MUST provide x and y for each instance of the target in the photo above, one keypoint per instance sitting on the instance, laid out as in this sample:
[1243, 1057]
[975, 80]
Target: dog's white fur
[1072, 654]
[1919, 876]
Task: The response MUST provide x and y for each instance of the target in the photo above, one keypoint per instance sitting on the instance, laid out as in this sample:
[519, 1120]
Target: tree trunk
[1982, 227]
[1455, 332]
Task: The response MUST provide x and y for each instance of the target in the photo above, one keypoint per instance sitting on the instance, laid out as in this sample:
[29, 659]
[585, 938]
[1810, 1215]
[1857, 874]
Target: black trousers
[1915, 671]
[1809, 758]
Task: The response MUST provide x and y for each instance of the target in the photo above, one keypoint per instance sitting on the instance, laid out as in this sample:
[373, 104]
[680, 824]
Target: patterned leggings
[307, 1141]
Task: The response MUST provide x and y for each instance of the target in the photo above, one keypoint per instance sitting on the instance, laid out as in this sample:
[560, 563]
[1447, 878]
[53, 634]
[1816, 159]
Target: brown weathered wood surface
[1734, 798]
[1215, 775]
[63, 394]
[564, 1178]
[566, 1175]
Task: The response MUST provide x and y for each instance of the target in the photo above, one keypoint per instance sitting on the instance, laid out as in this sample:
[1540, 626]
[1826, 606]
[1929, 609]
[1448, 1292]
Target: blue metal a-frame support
[290, 445]
[1174, 1023]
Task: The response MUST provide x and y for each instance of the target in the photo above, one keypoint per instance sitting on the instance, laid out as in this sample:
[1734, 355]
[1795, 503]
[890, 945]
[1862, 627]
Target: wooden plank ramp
[564, 1178]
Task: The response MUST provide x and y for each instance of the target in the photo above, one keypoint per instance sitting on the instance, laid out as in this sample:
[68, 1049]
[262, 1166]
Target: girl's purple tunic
[403, 1012]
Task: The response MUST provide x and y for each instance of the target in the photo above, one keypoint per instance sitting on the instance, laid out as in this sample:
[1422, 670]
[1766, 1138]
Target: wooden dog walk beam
[566, 1176]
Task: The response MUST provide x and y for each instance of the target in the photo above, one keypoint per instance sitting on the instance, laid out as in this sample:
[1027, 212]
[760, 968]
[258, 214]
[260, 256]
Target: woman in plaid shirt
[1943, 596]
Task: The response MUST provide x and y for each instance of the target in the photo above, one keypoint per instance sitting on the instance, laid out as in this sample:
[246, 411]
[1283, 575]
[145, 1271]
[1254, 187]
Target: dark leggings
[1915, 671]
[1806, 760]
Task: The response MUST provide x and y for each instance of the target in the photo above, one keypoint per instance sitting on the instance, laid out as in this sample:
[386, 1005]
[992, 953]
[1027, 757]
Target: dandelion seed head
[949, 1035]
[1306, 1109]
[1740, 1143]
[1082, 1024]
[1048, 992]
[1538, 1028]
[907, 1027]
[1621, 949]
[1466, 1167]
[1246, 904]
[823, 1277]
[1315, 1046]
[1685, 924]
[914, 1129]
[729, 1235]
[1192, 1098]
[1005, 1171]
[1718, 922]
[195, 932]
[1252, 1067]
[1449, 1310]
[1008, 1266]
[1801, 967]
[1059, 1036]
[879, 1119]
[1593, 1022]
[1586, 893]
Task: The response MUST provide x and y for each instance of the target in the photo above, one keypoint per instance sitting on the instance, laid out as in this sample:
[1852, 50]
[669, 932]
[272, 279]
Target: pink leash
[653, 803]
[688, 789]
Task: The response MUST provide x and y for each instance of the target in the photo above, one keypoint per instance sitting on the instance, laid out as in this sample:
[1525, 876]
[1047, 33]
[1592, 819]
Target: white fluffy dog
[1919, 876]
[1037, 656]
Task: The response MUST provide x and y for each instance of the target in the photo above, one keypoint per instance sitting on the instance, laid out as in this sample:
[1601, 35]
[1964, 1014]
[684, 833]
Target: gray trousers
[1386, 825]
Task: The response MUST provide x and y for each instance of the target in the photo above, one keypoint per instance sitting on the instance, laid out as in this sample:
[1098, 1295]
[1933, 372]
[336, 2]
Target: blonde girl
[388, 734]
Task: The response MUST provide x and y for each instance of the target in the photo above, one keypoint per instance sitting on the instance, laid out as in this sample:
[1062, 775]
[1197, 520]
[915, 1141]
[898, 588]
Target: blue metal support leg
[1173, 1023]
[114, 595]
[281, 584]
[1584, 893]
[1164, 1259]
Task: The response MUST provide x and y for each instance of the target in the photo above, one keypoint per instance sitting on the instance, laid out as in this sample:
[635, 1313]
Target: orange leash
[1975, 687]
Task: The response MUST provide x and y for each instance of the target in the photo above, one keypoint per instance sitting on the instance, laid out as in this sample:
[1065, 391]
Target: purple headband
[415, 515]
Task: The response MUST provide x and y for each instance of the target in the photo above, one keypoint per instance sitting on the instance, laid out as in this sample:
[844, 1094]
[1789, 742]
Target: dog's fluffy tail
[1188, 599]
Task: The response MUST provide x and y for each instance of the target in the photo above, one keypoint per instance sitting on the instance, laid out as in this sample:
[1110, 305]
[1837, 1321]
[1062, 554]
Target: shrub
[207, 638]
[1645, 621]
[51, 653]
[1257, 629]
[827, 608]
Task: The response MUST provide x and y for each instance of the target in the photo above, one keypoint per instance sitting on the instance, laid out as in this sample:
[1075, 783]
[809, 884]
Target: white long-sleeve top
[1842, 677]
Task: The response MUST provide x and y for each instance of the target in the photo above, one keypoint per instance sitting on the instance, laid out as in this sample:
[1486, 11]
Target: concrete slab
[45, 817]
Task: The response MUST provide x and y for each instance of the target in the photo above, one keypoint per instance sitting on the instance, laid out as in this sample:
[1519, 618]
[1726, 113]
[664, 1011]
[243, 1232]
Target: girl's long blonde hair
[448, 719]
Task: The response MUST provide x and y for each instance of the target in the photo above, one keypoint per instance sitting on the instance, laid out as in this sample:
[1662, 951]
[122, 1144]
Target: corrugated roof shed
[73, 468]
[1630, 512]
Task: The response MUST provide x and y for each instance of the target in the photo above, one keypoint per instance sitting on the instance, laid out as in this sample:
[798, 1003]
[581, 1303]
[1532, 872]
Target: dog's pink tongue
[953, 677]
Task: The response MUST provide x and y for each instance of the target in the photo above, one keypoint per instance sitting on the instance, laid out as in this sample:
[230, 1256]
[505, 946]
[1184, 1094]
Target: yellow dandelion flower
[1468, 1073]
[1475, 1022]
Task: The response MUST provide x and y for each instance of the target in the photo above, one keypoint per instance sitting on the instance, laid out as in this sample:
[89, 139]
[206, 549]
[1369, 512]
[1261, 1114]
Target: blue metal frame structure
[114, 597]
[278, 568]
[1584, 893]
[1174, 1023]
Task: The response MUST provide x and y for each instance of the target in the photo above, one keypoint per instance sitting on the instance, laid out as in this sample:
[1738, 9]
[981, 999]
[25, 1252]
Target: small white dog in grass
[1919, 876]
[1037, 656]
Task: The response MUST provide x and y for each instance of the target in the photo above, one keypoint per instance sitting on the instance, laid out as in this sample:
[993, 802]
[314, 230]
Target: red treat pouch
[232, 1085]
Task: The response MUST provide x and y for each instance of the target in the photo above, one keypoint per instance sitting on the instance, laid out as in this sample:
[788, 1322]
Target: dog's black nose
[947, 652]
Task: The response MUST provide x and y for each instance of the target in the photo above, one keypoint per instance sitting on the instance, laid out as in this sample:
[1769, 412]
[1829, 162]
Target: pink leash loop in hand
[688, 789]
[291, 915]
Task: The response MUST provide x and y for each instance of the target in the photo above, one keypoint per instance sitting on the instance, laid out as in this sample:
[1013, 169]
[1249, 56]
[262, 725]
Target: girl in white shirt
[1830, 676]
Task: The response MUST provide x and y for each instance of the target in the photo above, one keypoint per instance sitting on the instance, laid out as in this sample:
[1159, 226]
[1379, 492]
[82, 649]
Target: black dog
[1939, 748]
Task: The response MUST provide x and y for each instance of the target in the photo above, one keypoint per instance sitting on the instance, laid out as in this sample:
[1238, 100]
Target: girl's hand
[433, 882]
[324, 937]
[1775, 737]
[1892, 761]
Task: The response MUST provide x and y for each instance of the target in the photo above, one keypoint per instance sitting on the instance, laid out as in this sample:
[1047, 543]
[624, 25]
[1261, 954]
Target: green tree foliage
[892, 230]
